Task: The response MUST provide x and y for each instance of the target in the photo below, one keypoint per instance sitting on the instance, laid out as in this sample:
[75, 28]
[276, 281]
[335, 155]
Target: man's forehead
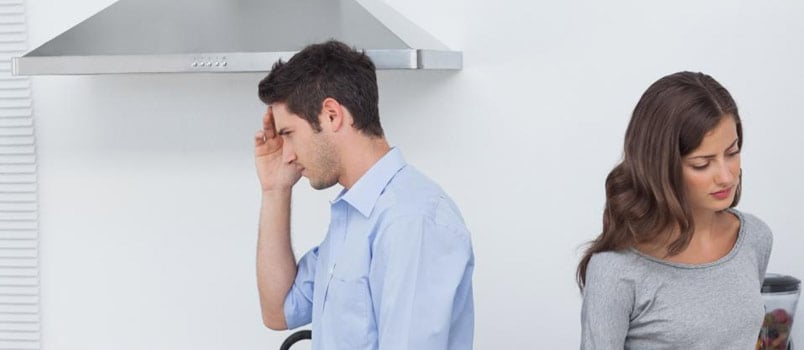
[282, 117]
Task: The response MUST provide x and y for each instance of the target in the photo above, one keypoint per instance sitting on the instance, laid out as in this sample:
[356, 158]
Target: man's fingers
[268, 124]
[266, 145]
[259, 138]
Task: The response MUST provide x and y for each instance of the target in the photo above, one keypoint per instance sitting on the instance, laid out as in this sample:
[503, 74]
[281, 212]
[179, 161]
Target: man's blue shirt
[394, 271]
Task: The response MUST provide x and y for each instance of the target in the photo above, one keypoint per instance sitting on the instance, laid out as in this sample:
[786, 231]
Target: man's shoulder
[412, 194]
[410, 179]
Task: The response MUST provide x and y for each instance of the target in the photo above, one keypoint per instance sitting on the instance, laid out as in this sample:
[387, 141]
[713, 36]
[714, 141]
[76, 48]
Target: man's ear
[332, 115]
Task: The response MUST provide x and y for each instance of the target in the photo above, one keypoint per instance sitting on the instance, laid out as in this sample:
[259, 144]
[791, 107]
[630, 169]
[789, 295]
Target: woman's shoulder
[612, 262]
[754, 228]
[613, 275]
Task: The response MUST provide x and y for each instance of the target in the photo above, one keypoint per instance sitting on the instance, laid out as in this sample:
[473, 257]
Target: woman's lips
[722, 194]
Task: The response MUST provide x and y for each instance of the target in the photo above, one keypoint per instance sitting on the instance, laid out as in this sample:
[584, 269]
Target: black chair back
[295, 338]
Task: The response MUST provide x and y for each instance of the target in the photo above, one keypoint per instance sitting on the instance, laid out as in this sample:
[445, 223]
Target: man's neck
[359, 158]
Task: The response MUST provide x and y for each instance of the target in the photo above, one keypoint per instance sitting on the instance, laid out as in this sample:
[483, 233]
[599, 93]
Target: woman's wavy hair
[645, 196]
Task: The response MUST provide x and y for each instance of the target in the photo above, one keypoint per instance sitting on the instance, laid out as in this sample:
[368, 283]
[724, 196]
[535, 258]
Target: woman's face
[711, 172]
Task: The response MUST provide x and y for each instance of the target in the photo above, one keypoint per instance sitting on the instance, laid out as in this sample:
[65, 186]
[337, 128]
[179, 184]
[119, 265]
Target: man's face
[311, 152]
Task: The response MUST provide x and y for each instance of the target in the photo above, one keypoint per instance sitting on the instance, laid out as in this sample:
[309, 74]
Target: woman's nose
[724, 175]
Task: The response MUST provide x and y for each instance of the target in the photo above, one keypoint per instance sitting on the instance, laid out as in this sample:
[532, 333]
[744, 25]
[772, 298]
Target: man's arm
[421, 281]
[276, 265]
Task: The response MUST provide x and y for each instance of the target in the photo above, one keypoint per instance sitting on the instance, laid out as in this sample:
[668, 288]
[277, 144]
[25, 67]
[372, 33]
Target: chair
[295, 338]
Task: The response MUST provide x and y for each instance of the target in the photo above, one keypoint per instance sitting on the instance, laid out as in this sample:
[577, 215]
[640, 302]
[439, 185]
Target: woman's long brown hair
[645, 197]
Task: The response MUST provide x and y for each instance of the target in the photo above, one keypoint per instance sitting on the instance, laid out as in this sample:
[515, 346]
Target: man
[395, 268]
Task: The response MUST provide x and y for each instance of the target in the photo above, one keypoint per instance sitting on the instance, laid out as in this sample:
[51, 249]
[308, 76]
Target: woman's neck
[713, 237]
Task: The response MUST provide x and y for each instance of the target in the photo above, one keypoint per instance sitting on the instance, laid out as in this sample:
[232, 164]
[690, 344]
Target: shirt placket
[337, 237]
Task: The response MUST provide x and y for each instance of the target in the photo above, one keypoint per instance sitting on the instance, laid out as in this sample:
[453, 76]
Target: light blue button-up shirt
[394, 271]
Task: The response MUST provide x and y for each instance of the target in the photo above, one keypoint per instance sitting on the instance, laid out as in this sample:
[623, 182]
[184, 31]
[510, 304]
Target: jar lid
[776, 283]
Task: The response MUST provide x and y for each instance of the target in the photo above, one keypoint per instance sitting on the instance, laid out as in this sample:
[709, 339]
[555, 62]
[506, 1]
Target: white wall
[149, 200]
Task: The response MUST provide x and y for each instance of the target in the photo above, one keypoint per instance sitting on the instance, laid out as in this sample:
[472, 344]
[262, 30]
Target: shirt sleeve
[765, 247]
[299, 301]
[421, 282]
[608, 299]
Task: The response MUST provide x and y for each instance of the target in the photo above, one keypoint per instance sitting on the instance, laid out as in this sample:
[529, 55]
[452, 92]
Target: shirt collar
[364, 193]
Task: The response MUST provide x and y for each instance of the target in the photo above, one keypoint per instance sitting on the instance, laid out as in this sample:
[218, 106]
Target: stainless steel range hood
[176, 36]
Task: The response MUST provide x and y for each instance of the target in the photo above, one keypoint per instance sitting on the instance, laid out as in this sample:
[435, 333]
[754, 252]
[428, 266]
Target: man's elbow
[274, 321]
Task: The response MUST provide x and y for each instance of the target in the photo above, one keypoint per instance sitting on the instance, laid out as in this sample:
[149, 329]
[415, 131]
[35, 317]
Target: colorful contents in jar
[775, 330]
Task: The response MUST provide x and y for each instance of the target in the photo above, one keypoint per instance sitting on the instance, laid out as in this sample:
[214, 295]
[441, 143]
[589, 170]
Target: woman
[675, 266]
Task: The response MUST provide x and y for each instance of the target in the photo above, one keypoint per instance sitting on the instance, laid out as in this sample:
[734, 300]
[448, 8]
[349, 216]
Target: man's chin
[321, 185]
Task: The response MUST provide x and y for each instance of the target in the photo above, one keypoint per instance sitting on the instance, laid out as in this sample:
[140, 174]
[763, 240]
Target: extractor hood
[181, 36]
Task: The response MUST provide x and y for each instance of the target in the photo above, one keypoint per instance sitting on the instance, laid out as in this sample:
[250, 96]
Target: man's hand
[273, 172]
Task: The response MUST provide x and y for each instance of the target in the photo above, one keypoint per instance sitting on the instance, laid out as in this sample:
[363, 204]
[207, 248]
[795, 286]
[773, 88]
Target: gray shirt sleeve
[764, 243]
[608, 299]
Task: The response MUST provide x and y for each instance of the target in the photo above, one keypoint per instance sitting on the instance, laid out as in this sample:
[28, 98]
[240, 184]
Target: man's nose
[288, 155]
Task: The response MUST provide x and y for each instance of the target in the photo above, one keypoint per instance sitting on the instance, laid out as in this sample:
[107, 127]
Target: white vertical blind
[19, 268]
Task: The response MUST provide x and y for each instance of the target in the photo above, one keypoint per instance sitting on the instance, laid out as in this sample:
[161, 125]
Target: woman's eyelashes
[702, 166]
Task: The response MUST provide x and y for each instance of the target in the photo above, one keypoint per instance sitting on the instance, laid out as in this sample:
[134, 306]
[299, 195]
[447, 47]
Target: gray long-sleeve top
[634, 301]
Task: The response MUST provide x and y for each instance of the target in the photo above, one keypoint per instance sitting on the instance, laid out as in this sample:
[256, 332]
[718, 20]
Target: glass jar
[780, 294]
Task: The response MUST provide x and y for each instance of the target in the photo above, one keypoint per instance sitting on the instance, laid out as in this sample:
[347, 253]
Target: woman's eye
[700, 166]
